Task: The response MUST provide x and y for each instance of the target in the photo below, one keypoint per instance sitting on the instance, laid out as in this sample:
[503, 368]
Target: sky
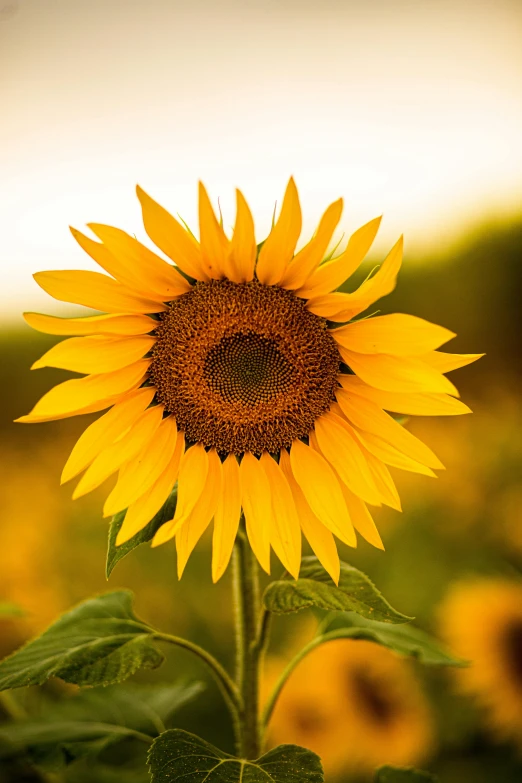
[407, 108]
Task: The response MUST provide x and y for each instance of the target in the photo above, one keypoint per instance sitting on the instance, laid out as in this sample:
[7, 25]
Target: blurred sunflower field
[453, 559]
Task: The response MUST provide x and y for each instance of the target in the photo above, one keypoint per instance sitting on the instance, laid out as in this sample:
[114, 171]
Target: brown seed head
[243, 367]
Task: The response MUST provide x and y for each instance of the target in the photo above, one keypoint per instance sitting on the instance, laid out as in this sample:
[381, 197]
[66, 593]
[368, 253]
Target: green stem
[316, 641]
[225, 682]
[250, 645]
[263, 634]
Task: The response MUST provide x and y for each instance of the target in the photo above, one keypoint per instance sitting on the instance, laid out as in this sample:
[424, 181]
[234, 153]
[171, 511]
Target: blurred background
[411, 108]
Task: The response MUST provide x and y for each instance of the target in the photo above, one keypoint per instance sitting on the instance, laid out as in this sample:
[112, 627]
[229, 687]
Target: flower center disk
[243, 367]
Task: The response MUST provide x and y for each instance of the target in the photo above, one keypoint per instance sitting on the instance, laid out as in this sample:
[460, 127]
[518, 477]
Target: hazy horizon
[411, 110]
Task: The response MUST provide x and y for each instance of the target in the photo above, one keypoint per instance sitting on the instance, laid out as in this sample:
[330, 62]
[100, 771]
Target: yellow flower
[356, 704]
[240, 373]
[482, 621]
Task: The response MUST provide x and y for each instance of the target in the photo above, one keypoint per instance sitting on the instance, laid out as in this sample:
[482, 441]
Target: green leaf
[403, 639]
[116, 553]
[355, 593]
[396, 775]
[99, 642]
[177, 755]
[87, 723]
[20, 737]
[143, 708]
[104, 774]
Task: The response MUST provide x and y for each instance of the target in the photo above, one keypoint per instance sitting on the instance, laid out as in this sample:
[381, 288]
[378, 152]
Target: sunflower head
[240, 375]
[243, 366]
[482, 620]
[354, 703]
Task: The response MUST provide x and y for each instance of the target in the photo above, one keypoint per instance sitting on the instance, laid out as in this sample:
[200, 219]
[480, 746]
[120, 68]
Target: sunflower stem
[321, 638]
[250, 645]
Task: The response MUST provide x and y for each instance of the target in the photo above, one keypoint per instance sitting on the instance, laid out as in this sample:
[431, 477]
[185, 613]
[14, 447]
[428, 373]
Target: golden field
[465, 526]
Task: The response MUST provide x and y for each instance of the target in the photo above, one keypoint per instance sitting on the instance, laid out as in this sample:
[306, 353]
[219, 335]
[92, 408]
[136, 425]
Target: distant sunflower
[482, 621]
[354, 703]
[239, 374]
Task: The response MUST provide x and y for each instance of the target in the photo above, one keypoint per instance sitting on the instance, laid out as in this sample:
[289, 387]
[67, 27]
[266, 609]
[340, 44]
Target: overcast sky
[411, 108]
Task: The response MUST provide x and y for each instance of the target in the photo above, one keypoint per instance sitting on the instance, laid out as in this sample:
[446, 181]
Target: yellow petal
[257, 506]
[396, 334]
[140, 513]
[124, 449]
[241, 259]
[390, 455]
[191, 486]
[322, 491]
[285, 532]
[342, 307]
[213, 241]
[340, 447]
[331, 275]
[360, 517]
[97, 252]
[137, 267]
[317, 535]
[198, 521]
[96, 353]
[446, 362]
[383, 481]
[104, 431]
[397, 373]
[413, 404]
[109, 262]
[362, 520]
[279, 246]
[380, 474]
[139, 474]
[72, 397]
[192, 477]
[310, 256]
[94, 290]
[171, 237]
[367, 416]
[94, 324]
[226, 518]
[94, 408]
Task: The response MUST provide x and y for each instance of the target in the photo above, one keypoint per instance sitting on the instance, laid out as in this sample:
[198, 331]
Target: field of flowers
[453, 558]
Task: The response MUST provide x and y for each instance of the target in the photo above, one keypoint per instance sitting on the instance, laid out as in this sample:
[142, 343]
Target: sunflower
[482, 620]
[354, 703]
[240, 373]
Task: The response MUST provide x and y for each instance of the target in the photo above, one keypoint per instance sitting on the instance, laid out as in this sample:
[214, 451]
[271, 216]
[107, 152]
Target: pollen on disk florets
[243, 367]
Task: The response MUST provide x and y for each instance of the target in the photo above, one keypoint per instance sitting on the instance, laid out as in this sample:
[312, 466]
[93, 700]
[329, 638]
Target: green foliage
[86, 724]
[144, 708]
[106, 774]
[402, 639]
[177, 755]
[99, 642]
[39, 736]
[355, 593]
[117, 553]
[396, 775]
